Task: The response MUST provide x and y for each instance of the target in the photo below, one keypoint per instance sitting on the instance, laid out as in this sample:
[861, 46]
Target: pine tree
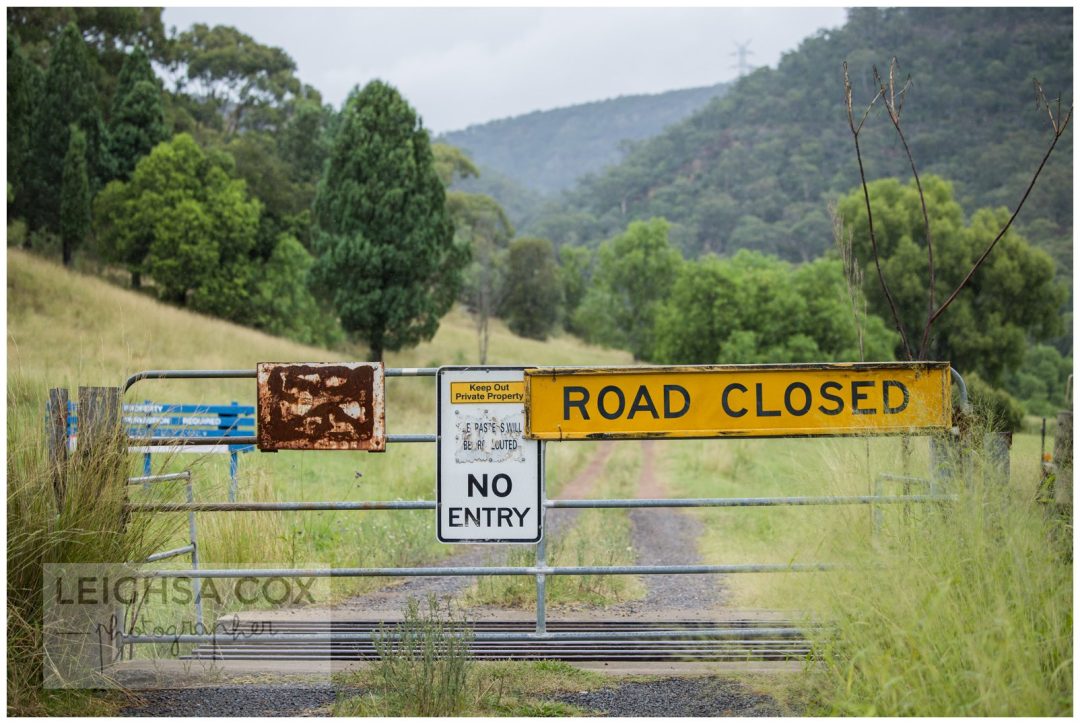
[69, 97]
[387, 258]
[137, 115]
[75, 195]
[136, 68]
[137, 125]
[24, 82]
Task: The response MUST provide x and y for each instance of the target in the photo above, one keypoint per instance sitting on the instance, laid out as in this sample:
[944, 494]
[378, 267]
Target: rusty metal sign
[321, 406]
[592, 403]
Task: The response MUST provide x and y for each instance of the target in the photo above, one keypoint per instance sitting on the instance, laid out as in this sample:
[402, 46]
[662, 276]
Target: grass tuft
[424, 663]
[425, 669]
[89, 525]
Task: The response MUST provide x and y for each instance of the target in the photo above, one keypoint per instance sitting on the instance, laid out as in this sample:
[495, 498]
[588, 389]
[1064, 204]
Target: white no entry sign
[489, 474]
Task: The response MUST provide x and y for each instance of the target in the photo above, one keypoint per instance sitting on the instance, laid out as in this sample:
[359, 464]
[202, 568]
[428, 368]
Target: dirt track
[668, 536]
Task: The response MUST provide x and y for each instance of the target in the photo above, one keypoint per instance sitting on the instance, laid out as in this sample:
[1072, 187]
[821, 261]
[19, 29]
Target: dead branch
[894, 103]
[1058, 124]
[855, 130]
[853, 275]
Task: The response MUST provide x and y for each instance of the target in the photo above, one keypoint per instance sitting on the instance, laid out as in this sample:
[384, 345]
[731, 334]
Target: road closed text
[750, 401]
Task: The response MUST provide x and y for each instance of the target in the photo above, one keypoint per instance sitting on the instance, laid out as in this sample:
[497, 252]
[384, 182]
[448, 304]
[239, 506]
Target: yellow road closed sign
[590, 403]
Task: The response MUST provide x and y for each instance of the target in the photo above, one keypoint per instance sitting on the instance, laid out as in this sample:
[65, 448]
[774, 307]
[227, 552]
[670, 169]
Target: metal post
[876, 515]
[998, 444]
[232, 470]
[962, 441]
[232, 476]
[541, 549]
[147, 468]
[196, 582]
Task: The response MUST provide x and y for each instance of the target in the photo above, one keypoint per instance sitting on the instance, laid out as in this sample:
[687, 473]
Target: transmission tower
[742, 50]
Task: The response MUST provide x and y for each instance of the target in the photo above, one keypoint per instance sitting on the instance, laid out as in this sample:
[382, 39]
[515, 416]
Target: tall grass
[961, 609]
[88, 526]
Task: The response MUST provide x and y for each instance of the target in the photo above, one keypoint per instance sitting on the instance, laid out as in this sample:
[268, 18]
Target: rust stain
[321, 406]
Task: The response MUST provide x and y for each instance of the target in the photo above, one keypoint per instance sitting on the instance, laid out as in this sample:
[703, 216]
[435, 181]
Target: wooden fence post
[99, 416]
[56, 440]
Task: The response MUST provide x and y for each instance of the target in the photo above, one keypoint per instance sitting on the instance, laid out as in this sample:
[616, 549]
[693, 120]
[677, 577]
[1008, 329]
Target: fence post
[56, 440]
[876, 514]
[99, 416]
[232, 475]
[998, 445]
[196, 583]
[541, 550]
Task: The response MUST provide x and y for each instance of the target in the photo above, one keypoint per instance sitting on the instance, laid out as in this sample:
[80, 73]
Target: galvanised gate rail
[540, 571]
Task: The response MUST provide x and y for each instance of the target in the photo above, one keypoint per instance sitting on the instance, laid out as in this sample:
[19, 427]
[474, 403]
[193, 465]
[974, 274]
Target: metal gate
[540, 571]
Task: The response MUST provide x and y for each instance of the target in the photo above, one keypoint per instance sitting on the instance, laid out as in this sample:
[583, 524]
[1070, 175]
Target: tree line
[200, 163]
[637, 292]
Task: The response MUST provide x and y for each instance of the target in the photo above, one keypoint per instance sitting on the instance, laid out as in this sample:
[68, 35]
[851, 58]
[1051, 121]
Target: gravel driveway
[394, 598]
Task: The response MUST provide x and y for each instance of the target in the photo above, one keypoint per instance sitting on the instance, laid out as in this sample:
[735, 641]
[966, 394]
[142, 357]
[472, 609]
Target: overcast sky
[464, 66]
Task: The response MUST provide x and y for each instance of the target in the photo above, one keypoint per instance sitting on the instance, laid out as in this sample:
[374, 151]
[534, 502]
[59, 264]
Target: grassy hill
[66, 328]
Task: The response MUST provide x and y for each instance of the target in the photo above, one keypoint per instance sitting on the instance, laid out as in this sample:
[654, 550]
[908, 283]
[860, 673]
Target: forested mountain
[755, 168]
[547, 151]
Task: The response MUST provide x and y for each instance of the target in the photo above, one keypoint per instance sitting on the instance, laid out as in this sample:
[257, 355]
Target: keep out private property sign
[489, 474]
[708, 401]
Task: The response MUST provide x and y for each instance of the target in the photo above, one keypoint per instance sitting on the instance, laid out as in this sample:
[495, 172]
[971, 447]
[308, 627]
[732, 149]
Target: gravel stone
[700, 697]
[246, 700]
[668, 537]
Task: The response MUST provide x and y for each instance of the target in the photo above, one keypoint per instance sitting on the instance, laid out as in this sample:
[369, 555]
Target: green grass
[951, 609]
[66, 329]
[424, 669]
